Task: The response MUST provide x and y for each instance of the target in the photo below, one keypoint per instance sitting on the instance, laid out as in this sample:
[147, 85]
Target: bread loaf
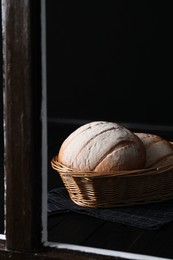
[159, 151]
[102, 146]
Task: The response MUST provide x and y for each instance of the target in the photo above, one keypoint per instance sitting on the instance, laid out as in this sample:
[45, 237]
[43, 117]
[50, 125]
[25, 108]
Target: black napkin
[149, 216]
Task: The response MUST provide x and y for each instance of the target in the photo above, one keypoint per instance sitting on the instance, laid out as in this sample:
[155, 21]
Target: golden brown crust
[102, 146]
[159, 151]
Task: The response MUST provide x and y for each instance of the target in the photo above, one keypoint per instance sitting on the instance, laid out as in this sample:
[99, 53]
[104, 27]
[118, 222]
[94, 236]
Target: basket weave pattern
[125, 188]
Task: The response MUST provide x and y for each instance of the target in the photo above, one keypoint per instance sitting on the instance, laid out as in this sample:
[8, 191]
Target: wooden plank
[53, 254]
[1, 145]
[74, 229]
[55, 220]
[114, 236]
[84, 230]
[22, 76]
[156, 243]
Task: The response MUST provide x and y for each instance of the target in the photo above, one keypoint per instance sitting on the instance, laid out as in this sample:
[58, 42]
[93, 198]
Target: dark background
[110, 60]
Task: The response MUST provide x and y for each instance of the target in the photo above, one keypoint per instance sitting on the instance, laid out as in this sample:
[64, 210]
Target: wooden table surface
[84, 230]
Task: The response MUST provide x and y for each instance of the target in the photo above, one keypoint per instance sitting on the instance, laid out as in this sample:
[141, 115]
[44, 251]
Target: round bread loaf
[102, 146]
[159, 151]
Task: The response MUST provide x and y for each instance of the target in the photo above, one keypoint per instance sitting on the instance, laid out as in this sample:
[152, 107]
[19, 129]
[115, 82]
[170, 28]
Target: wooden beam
[57, 254]
[22, 106]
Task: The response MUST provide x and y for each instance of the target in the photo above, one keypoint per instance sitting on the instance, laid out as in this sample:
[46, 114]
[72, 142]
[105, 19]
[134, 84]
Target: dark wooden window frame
[23, 76]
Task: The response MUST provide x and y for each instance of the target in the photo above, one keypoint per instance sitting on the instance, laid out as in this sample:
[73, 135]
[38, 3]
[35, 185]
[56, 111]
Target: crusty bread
[159, 151]
[102, 146]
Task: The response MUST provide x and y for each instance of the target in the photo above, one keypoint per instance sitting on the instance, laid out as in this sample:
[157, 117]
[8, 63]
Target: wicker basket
[125, 188]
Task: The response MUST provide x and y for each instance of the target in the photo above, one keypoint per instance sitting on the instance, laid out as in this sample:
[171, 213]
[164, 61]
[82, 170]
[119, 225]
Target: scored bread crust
[102, 146]
[159, 151]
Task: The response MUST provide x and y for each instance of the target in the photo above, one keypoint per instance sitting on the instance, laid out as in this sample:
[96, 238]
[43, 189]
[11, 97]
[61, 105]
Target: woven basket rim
[63, 169]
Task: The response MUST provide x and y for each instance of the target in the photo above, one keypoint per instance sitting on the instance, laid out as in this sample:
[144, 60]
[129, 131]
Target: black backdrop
[110, 60]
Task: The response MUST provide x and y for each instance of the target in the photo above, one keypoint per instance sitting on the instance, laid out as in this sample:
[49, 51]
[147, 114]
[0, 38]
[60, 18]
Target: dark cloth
[149, 216]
